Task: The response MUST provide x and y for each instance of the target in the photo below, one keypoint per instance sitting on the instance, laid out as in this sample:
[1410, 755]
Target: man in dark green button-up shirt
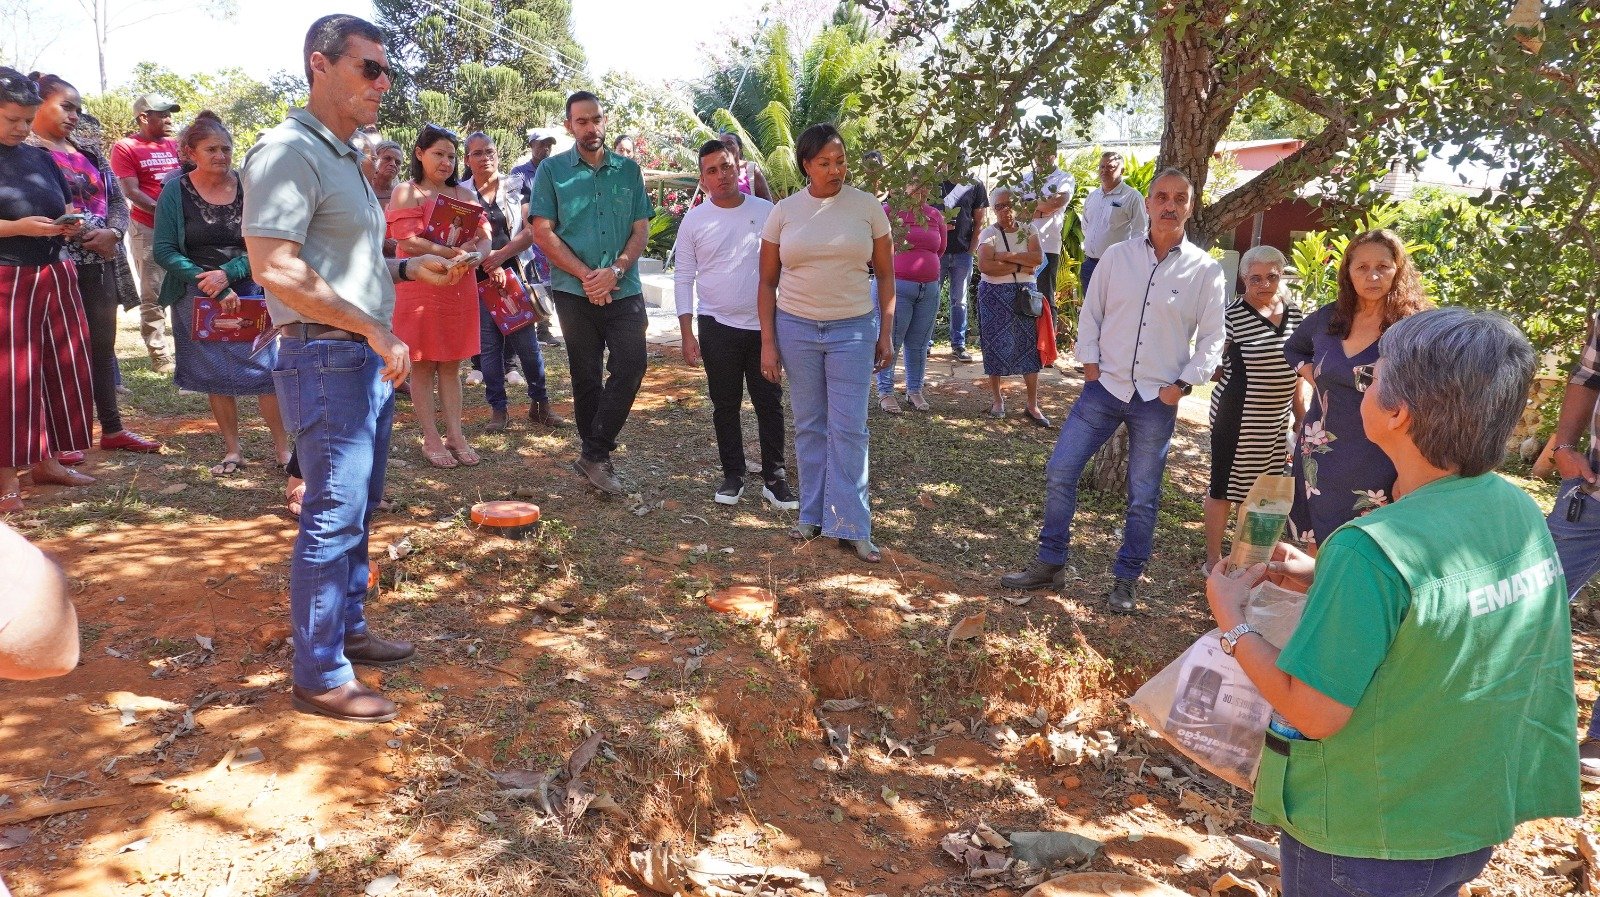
[590, 215]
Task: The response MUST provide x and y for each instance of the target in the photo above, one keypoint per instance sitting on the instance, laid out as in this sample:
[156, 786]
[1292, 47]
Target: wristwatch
[1230, 639]
[1187, 388]
[617, 270]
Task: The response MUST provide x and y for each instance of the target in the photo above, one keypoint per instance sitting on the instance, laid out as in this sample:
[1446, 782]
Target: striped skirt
[46, 396]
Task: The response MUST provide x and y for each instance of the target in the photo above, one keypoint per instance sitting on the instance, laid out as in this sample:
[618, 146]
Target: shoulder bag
[1026, 302]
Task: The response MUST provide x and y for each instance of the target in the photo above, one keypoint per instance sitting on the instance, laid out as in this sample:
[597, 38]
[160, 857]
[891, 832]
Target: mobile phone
[68, 220]
[467, 260]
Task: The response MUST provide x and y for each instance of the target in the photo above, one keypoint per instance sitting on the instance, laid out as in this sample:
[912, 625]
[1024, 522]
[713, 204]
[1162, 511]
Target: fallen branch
[55, 808]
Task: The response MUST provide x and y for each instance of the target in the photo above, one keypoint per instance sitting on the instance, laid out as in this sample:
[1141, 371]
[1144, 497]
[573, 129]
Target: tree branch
[1283, 179]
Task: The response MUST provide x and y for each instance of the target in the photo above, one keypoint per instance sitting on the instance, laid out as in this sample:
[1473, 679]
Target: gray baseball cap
[154, 102]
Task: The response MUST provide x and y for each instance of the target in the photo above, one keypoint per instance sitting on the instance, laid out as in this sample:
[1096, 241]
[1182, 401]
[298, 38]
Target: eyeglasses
[1001, 205]
[1263, 278]
[1364, 374]
[488, 153]
[371, 69]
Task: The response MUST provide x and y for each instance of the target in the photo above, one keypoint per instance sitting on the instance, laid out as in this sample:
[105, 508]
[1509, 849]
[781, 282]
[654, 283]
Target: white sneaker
[514, 378]
[474, 377]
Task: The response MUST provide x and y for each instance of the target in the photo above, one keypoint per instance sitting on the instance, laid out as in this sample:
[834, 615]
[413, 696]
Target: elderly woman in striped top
[1256, 387]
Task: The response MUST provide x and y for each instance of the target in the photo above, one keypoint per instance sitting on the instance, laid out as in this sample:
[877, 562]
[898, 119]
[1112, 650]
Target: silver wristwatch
[617, 270]
[1230, 639]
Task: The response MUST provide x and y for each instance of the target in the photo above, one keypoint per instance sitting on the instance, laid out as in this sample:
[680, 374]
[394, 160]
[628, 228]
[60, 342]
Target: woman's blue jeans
[1312, 873]
[500, 350]
[340, 413]
[916, 306]
[829, 364]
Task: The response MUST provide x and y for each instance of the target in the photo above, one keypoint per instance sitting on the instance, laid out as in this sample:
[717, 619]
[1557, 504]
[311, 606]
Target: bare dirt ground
[710, 723]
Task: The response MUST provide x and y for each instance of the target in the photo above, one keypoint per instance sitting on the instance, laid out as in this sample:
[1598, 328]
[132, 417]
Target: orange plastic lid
[505, 513]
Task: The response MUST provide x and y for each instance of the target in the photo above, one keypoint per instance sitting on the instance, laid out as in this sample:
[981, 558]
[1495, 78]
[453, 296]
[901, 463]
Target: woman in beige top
[817, 320]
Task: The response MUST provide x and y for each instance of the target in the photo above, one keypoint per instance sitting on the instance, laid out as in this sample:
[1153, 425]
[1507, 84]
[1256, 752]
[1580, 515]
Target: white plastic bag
[1206, 706]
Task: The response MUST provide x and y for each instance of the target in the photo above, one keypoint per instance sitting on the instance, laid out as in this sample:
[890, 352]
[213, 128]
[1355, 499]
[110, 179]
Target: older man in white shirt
[1112, 212]
[1151, 327]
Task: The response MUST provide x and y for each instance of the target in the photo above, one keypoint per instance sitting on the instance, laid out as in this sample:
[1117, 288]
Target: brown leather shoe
[369, 650]
[351, 702]
[540, 413]
[498, 421]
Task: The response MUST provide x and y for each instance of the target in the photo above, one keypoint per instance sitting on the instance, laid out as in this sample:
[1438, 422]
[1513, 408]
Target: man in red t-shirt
[142, 161]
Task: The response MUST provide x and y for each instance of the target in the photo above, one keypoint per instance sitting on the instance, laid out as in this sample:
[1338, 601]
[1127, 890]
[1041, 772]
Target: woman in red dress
[440, 324]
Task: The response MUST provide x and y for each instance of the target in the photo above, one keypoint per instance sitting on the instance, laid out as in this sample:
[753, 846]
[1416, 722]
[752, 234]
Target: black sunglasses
[1364, 375]
[371, 69]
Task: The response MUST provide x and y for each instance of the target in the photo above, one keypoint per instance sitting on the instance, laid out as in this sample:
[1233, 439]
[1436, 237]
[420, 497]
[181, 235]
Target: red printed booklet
[451, 222]
[510, 306]
[212, 324]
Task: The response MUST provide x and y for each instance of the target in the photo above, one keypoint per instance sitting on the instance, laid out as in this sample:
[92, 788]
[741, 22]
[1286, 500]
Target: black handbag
[1026, 301]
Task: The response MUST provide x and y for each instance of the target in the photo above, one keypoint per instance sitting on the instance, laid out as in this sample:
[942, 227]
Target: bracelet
[1564, 445]
[401, 271]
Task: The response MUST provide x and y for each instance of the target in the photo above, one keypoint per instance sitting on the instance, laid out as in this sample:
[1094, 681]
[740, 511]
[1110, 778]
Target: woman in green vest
[1424, 705]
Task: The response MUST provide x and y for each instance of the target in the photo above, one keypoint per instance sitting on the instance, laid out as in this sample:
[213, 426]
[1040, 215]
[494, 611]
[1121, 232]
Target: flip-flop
[227, 467]
[443, 459]
[863, 548]
[11, 503]
[466, 455]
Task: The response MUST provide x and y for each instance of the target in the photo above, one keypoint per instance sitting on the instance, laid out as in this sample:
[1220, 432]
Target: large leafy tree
[246, 105]
[779, 94]
[1363, 84]
[493, 65]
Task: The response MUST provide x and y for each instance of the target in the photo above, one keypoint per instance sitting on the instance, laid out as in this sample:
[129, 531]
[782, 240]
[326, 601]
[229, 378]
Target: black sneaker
[1036, 575]
[777, 494]
[961, 356]
[1121, 597]
[546, 337]
[731, 491]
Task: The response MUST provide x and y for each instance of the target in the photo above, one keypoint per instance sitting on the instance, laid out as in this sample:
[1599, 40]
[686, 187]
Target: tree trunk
[1108, 469]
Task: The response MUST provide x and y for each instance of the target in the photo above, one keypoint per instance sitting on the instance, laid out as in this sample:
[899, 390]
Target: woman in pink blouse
[919, 242]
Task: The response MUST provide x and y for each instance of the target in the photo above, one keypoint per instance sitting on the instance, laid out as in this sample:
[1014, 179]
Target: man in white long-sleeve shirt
[718, 262]
[1112, 212]
[1151, 328]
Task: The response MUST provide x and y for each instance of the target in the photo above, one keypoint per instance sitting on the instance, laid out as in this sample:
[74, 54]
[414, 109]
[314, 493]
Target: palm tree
[782, 96]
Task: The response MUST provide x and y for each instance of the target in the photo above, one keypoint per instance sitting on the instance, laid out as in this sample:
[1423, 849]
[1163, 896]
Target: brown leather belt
[308, 331]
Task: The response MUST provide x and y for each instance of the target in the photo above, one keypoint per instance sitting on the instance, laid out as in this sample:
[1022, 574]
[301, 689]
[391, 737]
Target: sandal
[888, 404]
[805, 532]
[863, 548]
[996, 411]
[11, 503]
[917, 401]
[227, 467]
[466, 455]
[444, 459]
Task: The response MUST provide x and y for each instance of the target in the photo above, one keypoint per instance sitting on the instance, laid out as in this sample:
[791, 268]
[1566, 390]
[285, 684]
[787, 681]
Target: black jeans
[98, 285]
[601, 403]
[732, 357]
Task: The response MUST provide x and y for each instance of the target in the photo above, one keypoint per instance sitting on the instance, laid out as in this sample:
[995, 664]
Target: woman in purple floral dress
[1340, 475]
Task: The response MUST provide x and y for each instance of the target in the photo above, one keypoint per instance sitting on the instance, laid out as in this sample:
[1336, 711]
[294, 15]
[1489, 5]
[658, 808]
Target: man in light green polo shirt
[314, 232]
[1424, 705]
[590, 215]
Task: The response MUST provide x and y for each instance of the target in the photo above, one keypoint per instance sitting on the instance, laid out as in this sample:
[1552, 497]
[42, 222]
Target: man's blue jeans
[499, 351]
[340, 412]
[955, 271]
[1086, 272]
[1578, 547]
[829, 364]
[1091, 423]
[915, 307]
[1312, 873]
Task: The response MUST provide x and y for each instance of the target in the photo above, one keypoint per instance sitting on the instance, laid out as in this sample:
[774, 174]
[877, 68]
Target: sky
[657, 39]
